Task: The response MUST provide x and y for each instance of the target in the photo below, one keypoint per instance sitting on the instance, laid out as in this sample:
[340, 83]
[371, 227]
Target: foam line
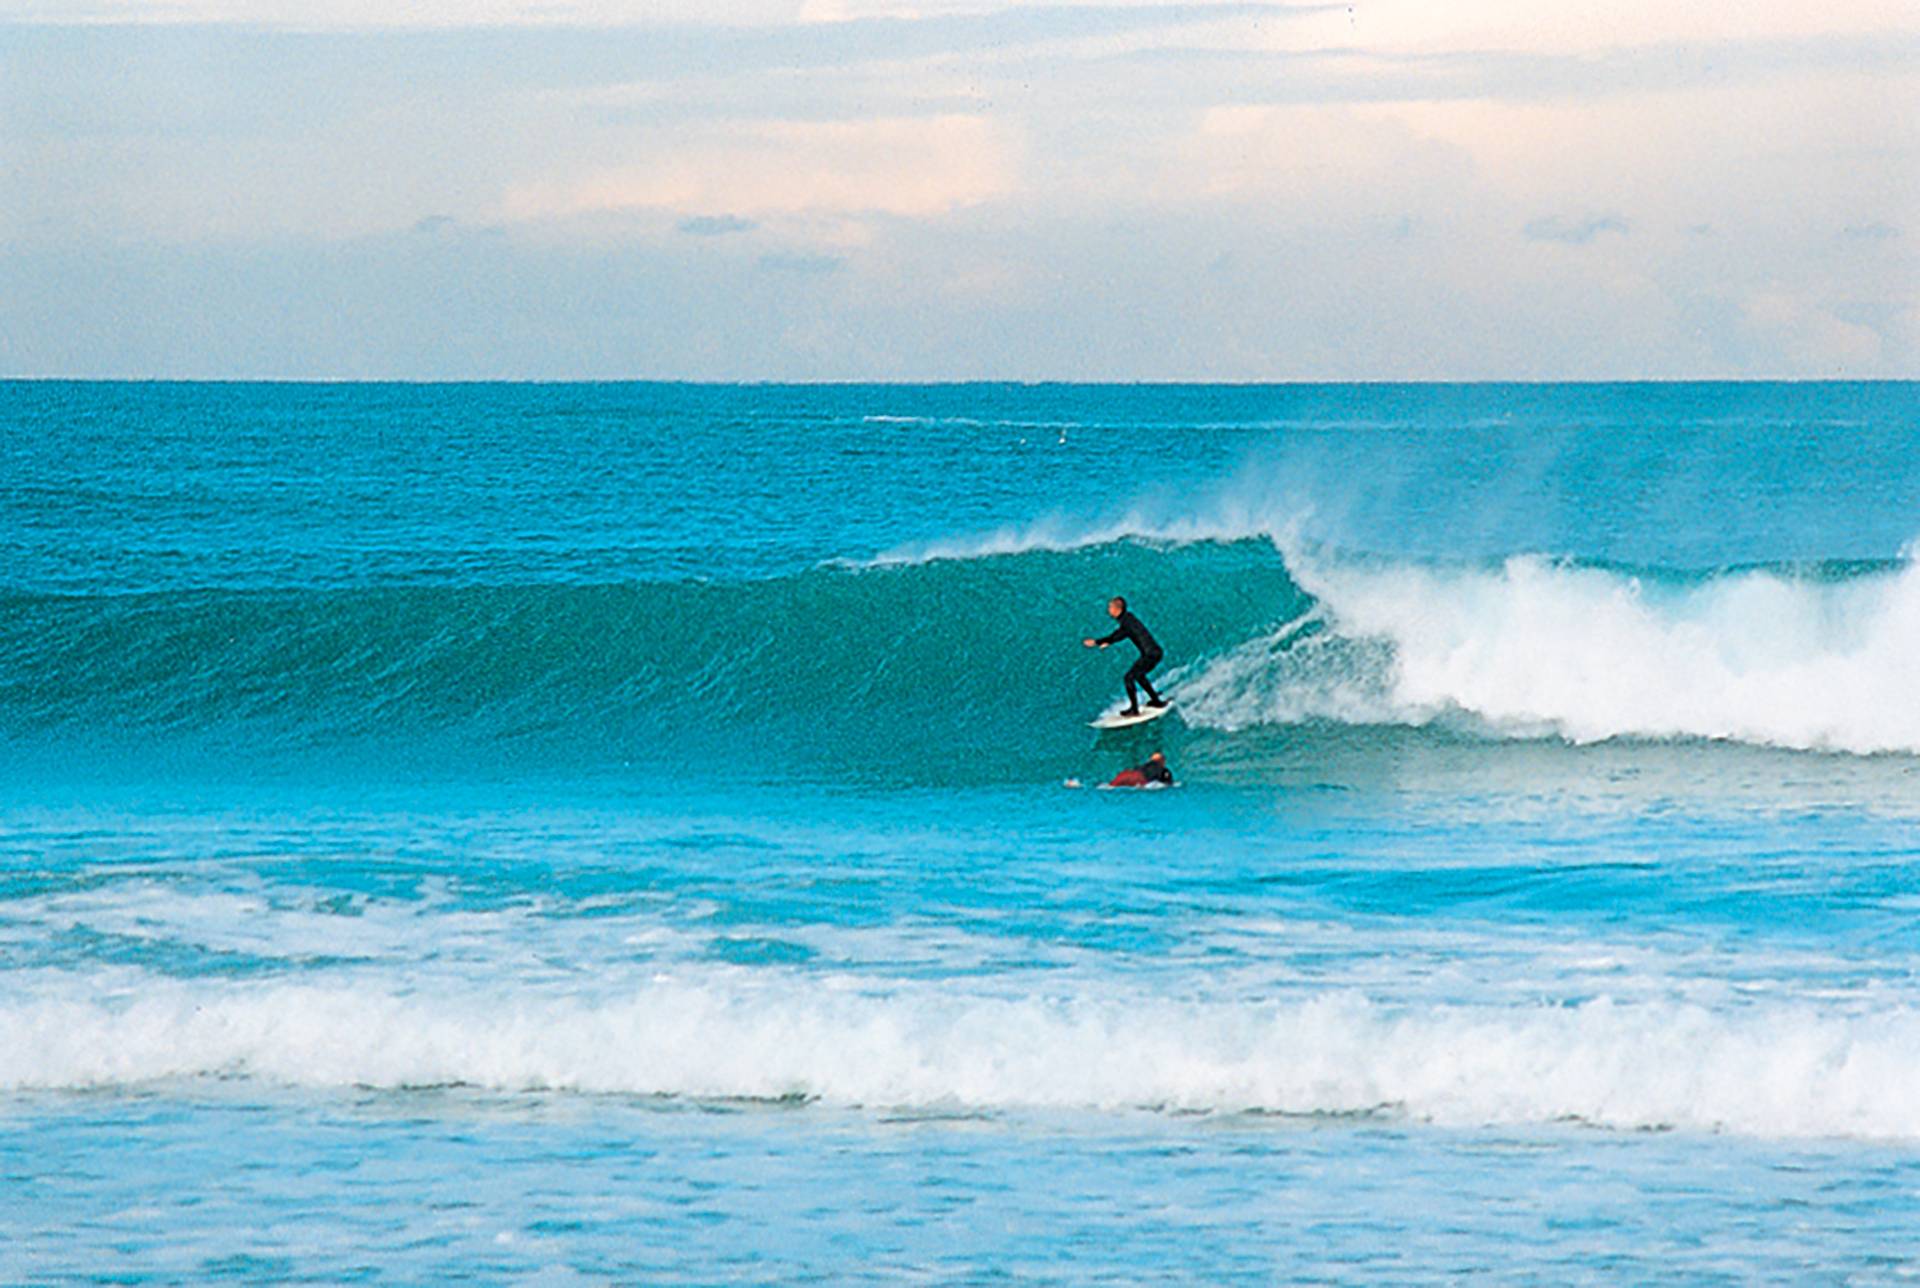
[1765, 1070]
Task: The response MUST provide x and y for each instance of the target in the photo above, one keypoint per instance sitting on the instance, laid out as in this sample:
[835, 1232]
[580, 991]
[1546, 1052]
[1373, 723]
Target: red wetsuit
[1154, 771]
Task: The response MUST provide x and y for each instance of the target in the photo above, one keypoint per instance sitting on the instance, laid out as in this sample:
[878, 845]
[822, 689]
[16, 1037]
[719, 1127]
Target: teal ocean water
[604, 832]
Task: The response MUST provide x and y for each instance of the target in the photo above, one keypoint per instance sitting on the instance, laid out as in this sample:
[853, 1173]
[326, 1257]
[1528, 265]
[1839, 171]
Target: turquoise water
[617, 831]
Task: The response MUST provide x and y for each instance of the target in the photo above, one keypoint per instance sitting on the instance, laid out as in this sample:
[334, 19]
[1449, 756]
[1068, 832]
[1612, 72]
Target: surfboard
[1114, 720]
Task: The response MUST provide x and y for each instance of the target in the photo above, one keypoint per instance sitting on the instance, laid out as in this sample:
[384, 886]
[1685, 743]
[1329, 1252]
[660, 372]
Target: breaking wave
[1768, 1070]
[968, 655]
[1808, 659]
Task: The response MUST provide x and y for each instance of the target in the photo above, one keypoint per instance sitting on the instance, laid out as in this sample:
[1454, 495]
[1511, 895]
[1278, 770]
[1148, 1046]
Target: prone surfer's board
[1115, 720]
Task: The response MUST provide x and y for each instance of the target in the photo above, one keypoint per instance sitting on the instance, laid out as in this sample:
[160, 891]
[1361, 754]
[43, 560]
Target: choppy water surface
[619, 831]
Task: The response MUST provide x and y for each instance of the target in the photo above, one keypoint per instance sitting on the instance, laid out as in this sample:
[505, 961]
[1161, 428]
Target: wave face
[880, 667]
[1774, 1070]
[969, 664]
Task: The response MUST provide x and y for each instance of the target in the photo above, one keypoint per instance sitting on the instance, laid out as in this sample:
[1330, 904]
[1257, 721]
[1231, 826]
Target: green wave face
[911, 672]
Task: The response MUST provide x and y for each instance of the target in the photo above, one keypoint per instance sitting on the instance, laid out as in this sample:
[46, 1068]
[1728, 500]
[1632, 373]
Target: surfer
[1154, 771]
[1132, 628]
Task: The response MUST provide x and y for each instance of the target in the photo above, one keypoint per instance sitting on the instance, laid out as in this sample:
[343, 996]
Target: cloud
[906, 166]
[784, 29]
[1573, 232]
[715, 225]
[944, 187]
[1603, 27]
[382, 15]
[1823, 342]
[1332, 156]
[810, 265]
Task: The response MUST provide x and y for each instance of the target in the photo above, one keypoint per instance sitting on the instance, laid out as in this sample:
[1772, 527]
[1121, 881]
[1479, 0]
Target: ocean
[610, 832]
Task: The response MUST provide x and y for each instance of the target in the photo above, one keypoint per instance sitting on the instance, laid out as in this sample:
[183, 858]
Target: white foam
[1537, 647]
[1768, 1070]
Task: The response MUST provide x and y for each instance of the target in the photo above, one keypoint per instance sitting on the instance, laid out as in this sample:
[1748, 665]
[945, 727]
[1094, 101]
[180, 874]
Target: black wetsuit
[1156, 771]
[1132, 628]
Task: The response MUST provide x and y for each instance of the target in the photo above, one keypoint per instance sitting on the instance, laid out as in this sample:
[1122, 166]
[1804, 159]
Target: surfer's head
[1158, 757]
[1116, 606]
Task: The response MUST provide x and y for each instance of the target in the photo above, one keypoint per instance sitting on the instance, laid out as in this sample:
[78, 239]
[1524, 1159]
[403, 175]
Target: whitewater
[1782, 1071]
[549, 832]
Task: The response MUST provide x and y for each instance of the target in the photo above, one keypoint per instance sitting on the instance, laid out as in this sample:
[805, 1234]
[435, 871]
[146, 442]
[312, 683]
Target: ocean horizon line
[984, 382]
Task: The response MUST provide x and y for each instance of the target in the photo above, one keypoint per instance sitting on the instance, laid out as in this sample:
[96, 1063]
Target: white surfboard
[1115, 720]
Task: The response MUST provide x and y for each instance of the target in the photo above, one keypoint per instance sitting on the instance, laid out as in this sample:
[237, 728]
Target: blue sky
[846, 189]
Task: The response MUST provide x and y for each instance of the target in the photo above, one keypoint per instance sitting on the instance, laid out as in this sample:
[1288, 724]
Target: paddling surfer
[1129, 627]
[1153, 773]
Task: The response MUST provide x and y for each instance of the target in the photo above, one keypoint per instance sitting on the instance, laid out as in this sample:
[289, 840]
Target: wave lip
[1224, 525]
[1768, 1070]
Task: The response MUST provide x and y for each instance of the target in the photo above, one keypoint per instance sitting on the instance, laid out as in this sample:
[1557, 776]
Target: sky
[935, 189]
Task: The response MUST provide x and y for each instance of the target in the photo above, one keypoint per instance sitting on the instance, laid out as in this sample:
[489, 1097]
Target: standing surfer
[1132, 628]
